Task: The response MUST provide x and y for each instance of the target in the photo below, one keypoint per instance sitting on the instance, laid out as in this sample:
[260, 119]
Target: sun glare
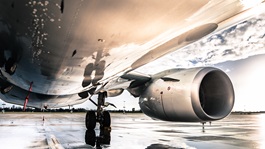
[250, 81]
[250, 3]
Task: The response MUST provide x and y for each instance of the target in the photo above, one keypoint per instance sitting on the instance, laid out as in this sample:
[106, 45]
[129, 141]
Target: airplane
[62, 52]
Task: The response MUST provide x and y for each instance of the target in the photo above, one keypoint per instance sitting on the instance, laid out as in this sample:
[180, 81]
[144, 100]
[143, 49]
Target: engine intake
[188, 95]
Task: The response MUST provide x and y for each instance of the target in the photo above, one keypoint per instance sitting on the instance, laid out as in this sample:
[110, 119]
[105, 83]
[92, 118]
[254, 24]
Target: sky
[247, 76]
[239, 51]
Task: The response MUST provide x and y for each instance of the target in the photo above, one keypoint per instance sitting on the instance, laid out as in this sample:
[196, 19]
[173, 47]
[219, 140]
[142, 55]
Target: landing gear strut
[101, 116]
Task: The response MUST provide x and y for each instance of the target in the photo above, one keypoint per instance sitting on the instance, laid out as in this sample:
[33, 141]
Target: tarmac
[129, 131]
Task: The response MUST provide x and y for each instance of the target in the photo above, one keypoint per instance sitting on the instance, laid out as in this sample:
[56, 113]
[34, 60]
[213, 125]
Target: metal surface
[65, 130]
[66, 47]
[197, 94]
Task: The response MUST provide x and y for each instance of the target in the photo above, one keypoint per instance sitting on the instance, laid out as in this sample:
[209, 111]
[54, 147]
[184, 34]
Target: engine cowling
[188, 95]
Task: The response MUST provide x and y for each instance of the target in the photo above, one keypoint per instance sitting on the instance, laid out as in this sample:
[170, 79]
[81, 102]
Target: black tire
[90, 120]
[105, 136]
[106, 119]
[90, 137]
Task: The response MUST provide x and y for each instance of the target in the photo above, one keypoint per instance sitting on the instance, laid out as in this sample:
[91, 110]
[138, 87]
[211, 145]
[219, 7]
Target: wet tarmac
[129, 131]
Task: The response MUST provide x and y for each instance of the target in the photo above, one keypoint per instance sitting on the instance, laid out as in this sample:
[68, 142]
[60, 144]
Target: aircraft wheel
[106, 119]
[90, 137]
[90, 120]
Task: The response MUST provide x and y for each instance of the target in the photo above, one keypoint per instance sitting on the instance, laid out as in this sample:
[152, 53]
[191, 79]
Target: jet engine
[188, 95]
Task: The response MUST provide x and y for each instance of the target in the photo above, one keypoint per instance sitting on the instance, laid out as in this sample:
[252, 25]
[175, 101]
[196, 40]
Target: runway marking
[53, 142]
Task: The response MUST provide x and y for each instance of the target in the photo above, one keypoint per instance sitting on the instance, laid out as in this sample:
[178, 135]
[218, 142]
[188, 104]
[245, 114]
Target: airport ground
[129, 131]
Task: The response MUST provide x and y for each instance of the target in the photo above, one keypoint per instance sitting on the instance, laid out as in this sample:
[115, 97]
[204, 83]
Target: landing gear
[102, 139]
[106, 119]
[90, 120]
[101, 116]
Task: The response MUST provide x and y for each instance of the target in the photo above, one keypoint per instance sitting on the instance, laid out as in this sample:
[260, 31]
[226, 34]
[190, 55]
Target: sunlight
[250, 3]
[262, 130]
[250, 93]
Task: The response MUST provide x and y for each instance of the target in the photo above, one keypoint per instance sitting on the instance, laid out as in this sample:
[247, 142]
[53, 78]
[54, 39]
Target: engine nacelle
[188, 95]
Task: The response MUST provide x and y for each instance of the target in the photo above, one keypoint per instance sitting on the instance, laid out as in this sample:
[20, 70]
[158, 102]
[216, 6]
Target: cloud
[238, 42]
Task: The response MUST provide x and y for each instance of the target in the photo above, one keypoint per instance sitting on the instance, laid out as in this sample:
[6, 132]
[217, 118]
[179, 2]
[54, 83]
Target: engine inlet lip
[195, 99]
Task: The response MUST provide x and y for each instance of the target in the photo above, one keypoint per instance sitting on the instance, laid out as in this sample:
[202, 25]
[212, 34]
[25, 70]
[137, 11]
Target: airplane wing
[57, 53]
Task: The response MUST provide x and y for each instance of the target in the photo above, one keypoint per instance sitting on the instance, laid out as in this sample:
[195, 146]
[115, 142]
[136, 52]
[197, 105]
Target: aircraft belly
[64, 48]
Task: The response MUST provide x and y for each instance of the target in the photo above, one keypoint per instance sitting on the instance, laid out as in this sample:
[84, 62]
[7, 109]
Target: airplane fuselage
[65, 47]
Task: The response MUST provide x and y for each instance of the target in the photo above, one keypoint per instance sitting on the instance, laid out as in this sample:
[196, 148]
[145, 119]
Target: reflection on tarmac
[65, 130]
[103, 138]
[261, 121]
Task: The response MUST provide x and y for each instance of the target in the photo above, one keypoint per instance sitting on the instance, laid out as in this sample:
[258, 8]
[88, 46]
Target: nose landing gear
[102, 139]
[100, 116]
